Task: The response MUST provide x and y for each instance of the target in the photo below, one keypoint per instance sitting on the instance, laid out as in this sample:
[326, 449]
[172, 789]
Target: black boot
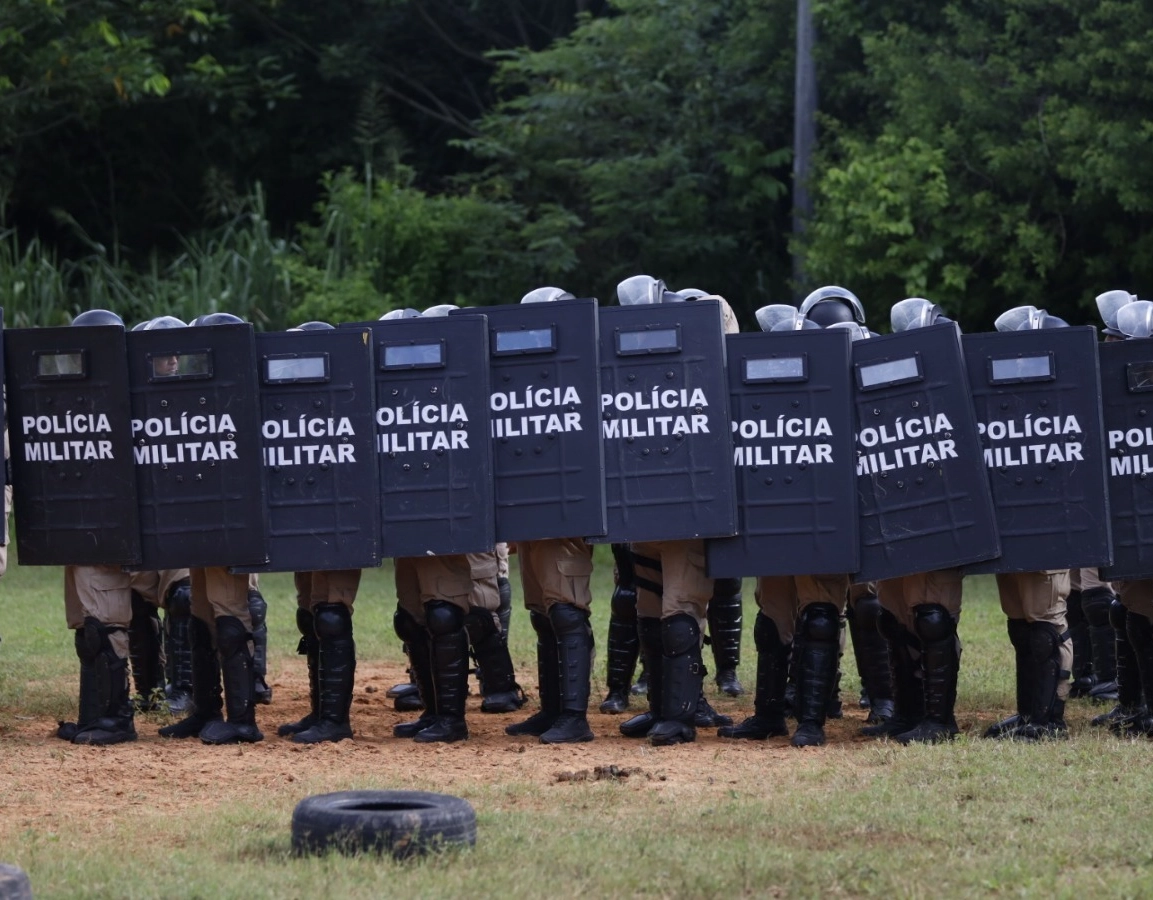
[725, 617]
[105, 708]
[871, 651]
[178, 646]
[309, 648]
[406, 696]
[624, 642]
[258, 612]
[1096, 603]
[236, 670]
[548, 680]
[1139, 630]
[706, 716]
[820, 628]
[448, 650]
[498, 688]
[1084, 678]
[1022, 655]
[207, 703]
[1130, 694]
[768, 718]
[417, 641]
[652, 649]
[905, 676]
[574, 644]
[682, 676]
[1045, 719]
[146, 654]
[89, 705]
[336, 665]
[941, 663]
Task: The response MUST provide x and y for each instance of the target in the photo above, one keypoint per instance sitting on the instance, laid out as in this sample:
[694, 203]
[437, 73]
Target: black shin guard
[146, 653]
[574, 644]
[768, 718]
[820, 629]
[940, 662]
[234, 651]
[499, 691]
[623, 640]
[448, 650]
[336, 665]
[416, 644]
[725, 617]
[309, 648]
[681, 678]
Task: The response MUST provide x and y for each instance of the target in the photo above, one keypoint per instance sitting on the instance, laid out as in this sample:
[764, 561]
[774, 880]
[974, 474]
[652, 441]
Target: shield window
[413, 356]
[51, 364]
[1140, 376]
[655, 340]
[1018, 369]
[525, 340]
[173, 365]
[889, 372]
[292, 369]
[776, 368]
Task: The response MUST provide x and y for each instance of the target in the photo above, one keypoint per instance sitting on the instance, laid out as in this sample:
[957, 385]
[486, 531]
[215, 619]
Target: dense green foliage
[382, 153]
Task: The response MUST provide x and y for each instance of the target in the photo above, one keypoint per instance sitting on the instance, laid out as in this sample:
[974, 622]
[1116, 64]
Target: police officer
[673, 593]
[151, 591]
[98, 607]
[623, 640]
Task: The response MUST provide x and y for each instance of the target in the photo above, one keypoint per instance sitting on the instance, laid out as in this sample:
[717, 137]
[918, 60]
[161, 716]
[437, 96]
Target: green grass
[974, 818]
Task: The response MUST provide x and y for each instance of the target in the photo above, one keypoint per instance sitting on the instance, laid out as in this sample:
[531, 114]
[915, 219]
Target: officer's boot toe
[929, 731]
[290, 728]
[1007, 727]
[616, 702]
[669, 732]
[755, 728]
[262, 693]
[809, 734]
[323, 731]
[445, 730]
[534, 726]
[638, 726]
[568, 728]
[106, 731]
[880, 711]
[188, 727]
[707, 717]
[503, 702]
[728, 683]
[408, 703]
[220, 732]
[66, 731]
[413, 728]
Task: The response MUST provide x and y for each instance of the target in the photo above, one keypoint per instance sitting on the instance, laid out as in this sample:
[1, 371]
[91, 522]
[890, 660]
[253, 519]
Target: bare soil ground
[44, 779]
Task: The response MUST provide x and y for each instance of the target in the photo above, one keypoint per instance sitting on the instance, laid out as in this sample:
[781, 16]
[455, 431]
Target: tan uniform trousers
[555, 571]
[330, 586]
[105, 594]
[1137, 596]
[465, 580]
[783, 597]
[1040, 597]
[217, 592]
[900, 595]
[153, 585]
[1087, 580]
[671, 579]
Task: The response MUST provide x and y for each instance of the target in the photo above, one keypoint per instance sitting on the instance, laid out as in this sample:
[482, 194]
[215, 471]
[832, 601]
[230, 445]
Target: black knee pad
[480, 625]
[623, 557]
[867, 610]
[541, 625]
[933, 622]
[766, 635]
[624, 603]
[257, 609]
[91, 639]
[231, 635]
[567, 619]
[406, 626]
[178, 602]
[1095, 604]
[304, 622]
[1117, 614]
[1044, 640]
[820, 622]
[333, 620]
[680, 634]
[443, 618]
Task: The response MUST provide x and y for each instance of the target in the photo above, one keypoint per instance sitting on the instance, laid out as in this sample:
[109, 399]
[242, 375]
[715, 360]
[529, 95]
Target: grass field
[713, 819]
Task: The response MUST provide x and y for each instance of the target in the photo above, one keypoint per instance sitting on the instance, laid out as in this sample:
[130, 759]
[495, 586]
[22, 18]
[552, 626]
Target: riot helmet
[312, 326]
[163, 322]
[693, 293]
[141, 326]
[783, 317]
[1027, 318]
[216, 318]
[407, 313]
[441, 309]
[915, 312]
[831, 304]
[98, 317]
[1135, 320]
[640, 289]
[1108, 305]
[546, 295]
[856, 332]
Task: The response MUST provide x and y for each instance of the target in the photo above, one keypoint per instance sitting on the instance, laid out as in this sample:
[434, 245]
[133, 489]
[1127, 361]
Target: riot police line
[814, 456]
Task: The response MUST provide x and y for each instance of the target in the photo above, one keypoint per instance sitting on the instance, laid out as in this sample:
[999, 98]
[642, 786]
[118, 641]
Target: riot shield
[432, 435]
[71, 443]
[197, 448]
[1037, 396]
[666, 426]
[792, 408]
[318, 408]
[1127, 406]
[547, 451]
[924, 494]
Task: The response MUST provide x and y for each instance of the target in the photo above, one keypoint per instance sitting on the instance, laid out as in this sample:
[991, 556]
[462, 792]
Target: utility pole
[804, 134]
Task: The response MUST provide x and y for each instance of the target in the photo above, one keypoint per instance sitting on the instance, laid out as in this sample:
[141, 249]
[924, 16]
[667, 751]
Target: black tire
[401, 823]
[14, 883]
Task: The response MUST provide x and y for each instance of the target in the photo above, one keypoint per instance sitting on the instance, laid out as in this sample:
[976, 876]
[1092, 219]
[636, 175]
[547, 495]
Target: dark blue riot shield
[792, 409]
[197, 447]
[71, 443]
[547, 451]
[666, 426]
[318, 408]
[924, 495]
[1037, 396]
[1127, 406]
[432, 435]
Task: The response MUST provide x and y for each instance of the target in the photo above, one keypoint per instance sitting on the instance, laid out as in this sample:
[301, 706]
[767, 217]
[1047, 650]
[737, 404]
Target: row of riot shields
[790, 452]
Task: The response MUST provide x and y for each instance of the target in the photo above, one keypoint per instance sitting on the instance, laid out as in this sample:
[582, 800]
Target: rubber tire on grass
[401, 823]
[14, 883]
